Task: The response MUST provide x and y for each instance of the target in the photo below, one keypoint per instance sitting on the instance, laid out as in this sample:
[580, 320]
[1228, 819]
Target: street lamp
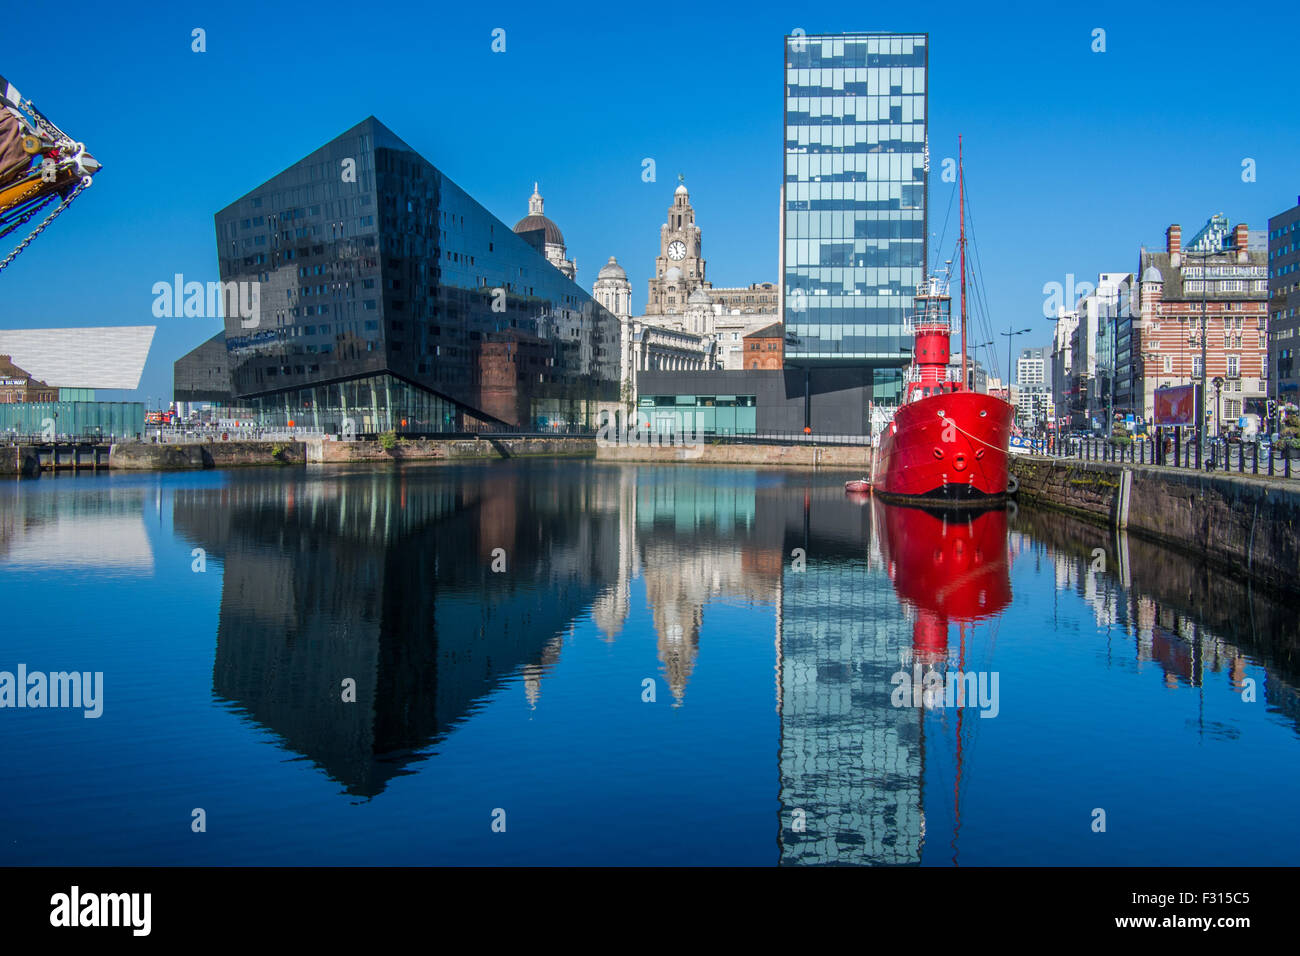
[1010, 334]
[1205, 336]
[975, 348]
[1218, 389]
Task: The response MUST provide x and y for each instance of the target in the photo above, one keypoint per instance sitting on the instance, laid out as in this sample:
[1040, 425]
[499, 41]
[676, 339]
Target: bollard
[1255, 454]
[1286, 462]
[1270, 461]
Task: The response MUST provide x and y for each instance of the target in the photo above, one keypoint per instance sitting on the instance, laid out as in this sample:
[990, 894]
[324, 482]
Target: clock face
[676, 250]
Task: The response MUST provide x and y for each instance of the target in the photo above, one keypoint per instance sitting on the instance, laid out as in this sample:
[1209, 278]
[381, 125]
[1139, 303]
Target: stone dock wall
[1240, 523]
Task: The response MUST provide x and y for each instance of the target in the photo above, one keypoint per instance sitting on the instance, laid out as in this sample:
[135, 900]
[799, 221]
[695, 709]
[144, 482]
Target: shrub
[388, 440]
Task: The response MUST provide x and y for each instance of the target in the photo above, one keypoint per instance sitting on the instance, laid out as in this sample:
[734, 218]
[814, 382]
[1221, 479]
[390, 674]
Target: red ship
[947, 444]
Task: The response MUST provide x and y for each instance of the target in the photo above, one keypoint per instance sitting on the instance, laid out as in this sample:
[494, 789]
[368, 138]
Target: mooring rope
[974, 437]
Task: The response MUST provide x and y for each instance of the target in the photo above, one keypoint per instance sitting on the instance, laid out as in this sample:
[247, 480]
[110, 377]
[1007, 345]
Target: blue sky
[1074, 159]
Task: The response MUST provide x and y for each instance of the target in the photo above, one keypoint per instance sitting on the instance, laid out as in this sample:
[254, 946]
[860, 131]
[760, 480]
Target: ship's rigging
[42, 169]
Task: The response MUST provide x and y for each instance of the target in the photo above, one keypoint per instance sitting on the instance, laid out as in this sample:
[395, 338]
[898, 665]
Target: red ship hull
[948, 449]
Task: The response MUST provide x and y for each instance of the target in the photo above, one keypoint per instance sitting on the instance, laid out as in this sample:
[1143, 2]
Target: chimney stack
[1174, 239]
[1241, 241]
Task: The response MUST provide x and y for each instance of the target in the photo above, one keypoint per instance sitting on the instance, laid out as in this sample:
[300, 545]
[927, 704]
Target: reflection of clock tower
[679, 269]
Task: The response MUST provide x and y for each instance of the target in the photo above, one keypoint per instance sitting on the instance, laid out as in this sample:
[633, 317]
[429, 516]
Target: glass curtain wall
[855, 195]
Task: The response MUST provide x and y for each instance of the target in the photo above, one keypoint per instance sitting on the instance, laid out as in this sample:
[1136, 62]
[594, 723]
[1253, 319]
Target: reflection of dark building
[385, 578]
[390, 297]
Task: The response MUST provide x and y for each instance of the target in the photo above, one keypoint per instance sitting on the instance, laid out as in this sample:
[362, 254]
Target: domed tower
[544, 235]
[613, 290]
[699, 312]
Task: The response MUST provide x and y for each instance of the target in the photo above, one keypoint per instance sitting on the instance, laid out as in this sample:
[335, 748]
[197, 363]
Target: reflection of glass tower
[854, 207]
[849, 759]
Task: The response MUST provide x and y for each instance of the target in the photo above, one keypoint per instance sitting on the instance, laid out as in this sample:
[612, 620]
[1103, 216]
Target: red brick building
[1218, 276]
[765, 348]
[17, 385]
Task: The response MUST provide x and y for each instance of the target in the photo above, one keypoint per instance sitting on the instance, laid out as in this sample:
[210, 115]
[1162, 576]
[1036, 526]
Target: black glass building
[854, 198]
[388, 296]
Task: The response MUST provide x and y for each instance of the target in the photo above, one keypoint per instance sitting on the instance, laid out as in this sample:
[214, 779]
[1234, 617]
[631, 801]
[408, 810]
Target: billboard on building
[1176, 406]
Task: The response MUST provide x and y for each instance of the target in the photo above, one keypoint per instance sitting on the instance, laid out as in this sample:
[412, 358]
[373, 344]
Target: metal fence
[784, 438]
[189, 435]
[1244, 458]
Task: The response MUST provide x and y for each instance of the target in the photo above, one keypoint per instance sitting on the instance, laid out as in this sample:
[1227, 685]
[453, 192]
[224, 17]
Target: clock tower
[679, 268]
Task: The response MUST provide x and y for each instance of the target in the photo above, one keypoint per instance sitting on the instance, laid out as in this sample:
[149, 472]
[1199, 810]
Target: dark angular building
[203, 374]
[390, 297]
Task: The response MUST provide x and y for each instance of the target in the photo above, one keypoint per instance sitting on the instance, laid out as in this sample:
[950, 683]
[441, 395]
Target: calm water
[770, 617]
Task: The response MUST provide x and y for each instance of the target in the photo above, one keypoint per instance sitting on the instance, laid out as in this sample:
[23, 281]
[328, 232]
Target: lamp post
[1011, 334]
[1218, 390]
[975, 348]
[1205, 329]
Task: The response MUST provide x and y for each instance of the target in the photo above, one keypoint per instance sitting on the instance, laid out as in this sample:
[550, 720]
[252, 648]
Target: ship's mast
[961, 203]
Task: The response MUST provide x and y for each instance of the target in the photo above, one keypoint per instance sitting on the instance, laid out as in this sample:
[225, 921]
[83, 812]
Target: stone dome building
[544, 235]
[613, 290]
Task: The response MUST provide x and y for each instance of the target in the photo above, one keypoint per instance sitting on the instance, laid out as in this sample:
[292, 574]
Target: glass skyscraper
[390, 298]
[854, 198]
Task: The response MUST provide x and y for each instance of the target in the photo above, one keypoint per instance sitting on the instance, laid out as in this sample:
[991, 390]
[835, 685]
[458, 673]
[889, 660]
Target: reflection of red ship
[949, 566]
[946, 443]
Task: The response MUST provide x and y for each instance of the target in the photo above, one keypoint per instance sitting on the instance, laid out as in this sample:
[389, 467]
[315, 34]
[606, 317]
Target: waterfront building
[763, 347]
[88, 420]
[679, 267]
[1067, 320]
[1283, 299]
[49, 378]
[643, 345]
[1033, 377]
[545, 236]
[680, 295]
[755, 401]
[1090, 395]
[202, 377]
[613, 290]
[18, 385]
[758, 298]
[391, 298]
[76, 361]
[688, 325]
[853, 218]
[977, 376]
[1215, 286]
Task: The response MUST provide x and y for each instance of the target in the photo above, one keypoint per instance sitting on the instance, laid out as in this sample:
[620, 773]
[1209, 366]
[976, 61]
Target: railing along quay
[1243, 458]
